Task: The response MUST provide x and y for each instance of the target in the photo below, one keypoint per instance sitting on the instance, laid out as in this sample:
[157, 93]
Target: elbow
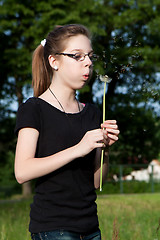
[96, 185]
[20, 174]
[96, 181]
[20, 178]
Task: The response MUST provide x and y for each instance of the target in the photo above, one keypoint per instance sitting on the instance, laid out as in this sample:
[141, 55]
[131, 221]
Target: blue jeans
[64, 235]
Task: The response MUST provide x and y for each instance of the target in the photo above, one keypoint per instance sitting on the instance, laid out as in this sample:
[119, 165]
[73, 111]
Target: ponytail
[41, 74]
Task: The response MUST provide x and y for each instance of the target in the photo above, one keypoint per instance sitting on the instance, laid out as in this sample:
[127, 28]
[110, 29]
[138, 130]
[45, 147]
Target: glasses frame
[83, 56]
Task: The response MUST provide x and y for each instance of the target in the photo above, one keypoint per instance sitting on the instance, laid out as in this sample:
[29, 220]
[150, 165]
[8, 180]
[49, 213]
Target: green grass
[14, 220]
[134, 217]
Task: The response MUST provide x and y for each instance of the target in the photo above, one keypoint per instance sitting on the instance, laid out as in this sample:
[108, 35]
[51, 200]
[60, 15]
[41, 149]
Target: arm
[110, 132]
[28, 167]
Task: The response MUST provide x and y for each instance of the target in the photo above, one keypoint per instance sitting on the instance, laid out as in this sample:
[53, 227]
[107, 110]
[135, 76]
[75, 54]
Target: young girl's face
[75, 73]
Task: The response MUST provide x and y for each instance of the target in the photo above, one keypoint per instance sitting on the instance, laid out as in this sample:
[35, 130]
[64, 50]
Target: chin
[82, 85]
[79, 85]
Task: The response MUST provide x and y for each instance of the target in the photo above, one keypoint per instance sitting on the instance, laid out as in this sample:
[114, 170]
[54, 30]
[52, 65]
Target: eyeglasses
[80, 56]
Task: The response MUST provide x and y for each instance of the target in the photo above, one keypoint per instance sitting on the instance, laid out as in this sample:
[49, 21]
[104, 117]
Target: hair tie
[43, 42]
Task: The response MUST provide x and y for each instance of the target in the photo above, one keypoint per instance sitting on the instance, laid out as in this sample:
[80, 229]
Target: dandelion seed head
[105, 78]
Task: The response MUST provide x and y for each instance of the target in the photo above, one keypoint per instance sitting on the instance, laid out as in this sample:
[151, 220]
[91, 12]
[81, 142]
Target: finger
[105, 134]
[95, 133]
[110, 122]
[104, 125]
[105, 138]
[109, 130]
[113, 137]
[99, 138]
[98, 132]
[113, 131]
[99, 145]
[106, 141]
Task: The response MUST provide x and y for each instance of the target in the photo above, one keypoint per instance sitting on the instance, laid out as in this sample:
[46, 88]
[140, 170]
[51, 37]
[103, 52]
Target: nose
[88, 61]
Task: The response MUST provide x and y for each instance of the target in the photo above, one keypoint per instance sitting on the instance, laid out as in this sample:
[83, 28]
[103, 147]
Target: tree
[24, 25]
[125, 36]
[132, 46]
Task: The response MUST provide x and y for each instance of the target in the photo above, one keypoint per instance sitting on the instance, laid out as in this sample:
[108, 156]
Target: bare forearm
[105, 164]
[28, 167]
[36, 167]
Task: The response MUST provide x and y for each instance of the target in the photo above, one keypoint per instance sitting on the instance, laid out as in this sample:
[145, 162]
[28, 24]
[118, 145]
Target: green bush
[8, 183]
[129, 187]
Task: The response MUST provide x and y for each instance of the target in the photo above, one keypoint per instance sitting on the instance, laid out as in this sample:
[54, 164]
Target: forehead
[78, 43]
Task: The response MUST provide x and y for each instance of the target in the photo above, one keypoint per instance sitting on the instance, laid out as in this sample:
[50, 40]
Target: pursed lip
[86, 76]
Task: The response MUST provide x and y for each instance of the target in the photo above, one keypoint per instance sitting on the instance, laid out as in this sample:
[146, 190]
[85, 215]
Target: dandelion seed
[104, 54]
[132, 114]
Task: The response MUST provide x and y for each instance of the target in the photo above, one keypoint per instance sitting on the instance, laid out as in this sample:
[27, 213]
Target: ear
[53, 62]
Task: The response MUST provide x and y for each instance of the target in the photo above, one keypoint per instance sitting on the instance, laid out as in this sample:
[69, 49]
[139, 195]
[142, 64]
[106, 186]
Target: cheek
[73, 69]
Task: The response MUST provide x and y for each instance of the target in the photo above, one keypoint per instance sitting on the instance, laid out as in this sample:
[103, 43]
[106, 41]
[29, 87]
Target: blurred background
[126, 37]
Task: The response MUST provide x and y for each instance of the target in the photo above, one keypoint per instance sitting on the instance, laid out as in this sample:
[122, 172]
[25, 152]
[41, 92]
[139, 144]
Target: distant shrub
[129, 187]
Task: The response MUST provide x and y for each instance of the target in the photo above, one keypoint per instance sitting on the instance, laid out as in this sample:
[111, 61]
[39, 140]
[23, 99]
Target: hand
[91, 140]
[110, 131]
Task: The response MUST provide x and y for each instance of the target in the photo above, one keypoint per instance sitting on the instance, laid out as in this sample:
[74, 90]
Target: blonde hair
[55, 43]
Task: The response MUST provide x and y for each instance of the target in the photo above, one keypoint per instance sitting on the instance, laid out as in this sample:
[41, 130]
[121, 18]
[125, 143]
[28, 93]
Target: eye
[78, 56]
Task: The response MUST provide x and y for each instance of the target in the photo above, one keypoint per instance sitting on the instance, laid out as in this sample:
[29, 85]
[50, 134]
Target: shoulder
[30, 102]
[29, 106]
[28, 114]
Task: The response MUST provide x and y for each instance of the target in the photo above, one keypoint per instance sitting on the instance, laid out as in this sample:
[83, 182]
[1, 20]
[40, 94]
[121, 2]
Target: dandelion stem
[102, 153]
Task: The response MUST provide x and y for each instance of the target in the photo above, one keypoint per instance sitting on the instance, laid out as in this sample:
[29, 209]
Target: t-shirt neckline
[57, 109]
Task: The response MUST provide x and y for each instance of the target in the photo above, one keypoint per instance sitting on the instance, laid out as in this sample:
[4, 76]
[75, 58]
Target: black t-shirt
[65, 198]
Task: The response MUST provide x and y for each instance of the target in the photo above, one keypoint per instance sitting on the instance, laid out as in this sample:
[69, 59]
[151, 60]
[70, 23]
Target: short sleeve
[28, 115]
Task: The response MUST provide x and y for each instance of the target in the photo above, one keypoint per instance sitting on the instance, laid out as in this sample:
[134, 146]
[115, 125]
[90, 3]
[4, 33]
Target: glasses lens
[79, 56]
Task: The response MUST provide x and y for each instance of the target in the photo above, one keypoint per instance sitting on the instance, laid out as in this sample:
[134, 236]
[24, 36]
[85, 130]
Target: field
[125, 217]
[134, 217]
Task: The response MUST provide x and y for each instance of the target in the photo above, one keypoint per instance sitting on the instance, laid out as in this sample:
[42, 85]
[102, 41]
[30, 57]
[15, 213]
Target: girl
[60, 139]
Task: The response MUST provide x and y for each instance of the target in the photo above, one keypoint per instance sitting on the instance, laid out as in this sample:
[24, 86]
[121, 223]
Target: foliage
[130, 53]
[139, 140]
[126, 38]
[129, 187]
[8, 183]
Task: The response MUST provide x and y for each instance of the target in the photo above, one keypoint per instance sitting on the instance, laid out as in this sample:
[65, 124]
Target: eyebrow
[80, 50]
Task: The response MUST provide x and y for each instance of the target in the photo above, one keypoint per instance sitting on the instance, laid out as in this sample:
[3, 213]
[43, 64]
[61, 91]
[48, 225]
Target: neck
[63, 94]
[65, 98]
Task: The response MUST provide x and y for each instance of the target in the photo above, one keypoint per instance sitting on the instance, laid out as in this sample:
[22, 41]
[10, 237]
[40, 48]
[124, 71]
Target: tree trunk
[26, 189]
